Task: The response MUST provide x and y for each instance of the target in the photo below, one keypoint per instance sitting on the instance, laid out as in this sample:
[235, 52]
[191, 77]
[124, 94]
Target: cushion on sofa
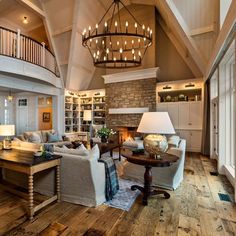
[53, 138]
[34, 138]
[95, 152]
[45, 133]
[27, 135]
[173, 141]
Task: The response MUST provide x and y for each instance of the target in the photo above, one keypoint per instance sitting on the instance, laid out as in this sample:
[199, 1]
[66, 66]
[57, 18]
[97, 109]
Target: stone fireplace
[128, 96]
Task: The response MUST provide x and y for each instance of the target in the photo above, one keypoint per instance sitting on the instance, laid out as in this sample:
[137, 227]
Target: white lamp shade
[156, 123]
[87, 115]
[7, 130]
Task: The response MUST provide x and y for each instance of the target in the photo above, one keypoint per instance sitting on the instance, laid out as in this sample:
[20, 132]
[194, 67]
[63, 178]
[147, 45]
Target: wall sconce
[25, 20]
[190, 85]
[167, 87]
[10, 97]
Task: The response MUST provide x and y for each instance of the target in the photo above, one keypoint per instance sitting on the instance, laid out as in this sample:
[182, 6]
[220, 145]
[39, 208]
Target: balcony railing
[14, 44]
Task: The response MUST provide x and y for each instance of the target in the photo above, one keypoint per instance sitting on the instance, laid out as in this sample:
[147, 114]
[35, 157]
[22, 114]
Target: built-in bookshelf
[75, 105]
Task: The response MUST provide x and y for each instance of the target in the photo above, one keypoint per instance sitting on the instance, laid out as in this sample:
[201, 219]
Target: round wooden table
[149, 162]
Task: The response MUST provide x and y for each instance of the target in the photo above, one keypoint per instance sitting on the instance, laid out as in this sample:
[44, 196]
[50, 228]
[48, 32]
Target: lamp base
[155, 145]
[7, 144]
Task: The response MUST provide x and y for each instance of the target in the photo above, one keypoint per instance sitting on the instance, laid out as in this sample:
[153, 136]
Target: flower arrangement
[104, 133]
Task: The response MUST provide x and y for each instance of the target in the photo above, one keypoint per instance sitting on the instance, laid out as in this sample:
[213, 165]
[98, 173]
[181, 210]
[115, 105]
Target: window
[227, 110]
[22, 102]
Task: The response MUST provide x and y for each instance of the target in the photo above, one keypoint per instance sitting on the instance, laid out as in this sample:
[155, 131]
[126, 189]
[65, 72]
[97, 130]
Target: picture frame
[46, 117]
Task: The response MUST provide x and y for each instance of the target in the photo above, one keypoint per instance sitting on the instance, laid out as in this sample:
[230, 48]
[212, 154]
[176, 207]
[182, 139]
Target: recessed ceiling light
[25, 20]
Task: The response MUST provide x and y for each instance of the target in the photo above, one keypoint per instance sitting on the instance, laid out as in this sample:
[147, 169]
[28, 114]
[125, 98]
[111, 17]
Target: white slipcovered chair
[165, 177]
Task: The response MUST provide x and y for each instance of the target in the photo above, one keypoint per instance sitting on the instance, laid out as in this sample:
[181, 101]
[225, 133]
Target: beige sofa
[33, 140]
[82, 178]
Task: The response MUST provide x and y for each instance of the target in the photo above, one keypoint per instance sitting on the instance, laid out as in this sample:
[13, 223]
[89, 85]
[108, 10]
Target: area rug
[125, 197]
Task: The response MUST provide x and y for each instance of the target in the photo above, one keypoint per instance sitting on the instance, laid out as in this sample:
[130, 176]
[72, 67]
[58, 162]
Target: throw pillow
[76, 144]
[34, 138]
[45, 135]
[63, 149]
[80, 151]
[52, 138]
[173, 141]
[95, 152]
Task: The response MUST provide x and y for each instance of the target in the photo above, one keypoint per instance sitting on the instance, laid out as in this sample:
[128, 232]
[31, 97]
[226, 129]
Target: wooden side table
[24, 162]
[149, 162]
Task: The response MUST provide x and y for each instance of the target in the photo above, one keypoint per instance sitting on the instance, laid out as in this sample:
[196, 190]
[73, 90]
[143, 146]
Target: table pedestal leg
[147, 190]
[31, 196]
[58, 183]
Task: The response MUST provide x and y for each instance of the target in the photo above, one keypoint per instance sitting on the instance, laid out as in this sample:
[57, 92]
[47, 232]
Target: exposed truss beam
[225, 37]
[181, 50]
[62, 30]
[177, 24]
[33, 7]
[202, 30]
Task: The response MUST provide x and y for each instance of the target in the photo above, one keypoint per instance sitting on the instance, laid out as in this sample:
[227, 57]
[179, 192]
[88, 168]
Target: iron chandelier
[114, 43]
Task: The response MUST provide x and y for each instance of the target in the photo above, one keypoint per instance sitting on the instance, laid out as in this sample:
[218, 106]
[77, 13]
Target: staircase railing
[14, 44]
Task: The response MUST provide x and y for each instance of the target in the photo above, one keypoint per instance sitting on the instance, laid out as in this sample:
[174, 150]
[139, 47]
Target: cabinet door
[195, 115]
[196, 140]
[183, 115]
[173, 111]
[162, 107]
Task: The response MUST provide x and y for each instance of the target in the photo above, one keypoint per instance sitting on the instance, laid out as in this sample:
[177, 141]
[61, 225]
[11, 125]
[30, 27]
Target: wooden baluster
[18, 44]
[31, 196]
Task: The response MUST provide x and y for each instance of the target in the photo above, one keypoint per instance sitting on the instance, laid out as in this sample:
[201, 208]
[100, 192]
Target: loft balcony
[23, 56]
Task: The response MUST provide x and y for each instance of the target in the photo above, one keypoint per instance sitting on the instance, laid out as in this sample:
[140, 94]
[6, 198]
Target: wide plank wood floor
[193, 209]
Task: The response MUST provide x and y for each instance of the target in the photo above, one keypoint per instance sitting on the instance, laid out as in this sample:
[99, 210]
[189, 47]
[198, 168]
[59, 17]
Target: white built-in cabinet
[186, 116]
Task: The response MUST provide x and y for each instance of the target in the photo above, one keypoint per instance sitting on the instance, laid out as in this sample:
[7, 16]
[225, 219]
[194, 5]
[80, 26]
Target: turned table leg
[58, 183]
[147, 184]
[31, 196]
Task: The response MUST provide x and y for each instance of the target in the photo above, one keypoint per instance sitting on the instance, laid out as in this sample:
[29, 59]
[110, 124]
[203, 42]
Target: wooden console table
[24, 162]
[149, 162]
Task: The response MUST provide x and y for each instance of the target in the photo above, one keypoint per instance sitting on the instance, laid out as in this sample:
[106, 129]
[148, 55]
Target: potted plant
[104, 134]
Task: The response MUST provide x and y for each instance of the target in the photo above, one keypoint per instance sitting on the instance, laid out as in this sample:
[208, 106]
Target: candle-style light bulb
[104, 58]
[96, 28]
[126, 26]
[116, 24]
[125, 58]
[105, 26]
[133, 51]
[118, 43]
[94, 55]
[114, 59]
[143, 29]
[121, 51]
[96, 41]
[107, 51]
[98, 52]
[89, 30]
[125, 44]
[136, 27]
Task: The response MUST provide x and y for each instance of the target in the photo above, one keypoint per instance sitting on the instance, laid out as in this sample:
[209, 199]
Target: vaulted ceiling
[191, 26]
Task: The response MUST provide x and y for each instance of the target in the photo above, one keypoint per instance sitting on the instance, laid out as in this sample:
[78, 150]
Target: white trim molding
[135, 110]
[131, 75]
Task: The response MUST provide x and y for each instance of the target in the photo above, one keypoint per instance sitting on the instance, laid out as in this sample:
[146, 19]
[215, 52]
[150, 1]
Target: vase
[104, 139]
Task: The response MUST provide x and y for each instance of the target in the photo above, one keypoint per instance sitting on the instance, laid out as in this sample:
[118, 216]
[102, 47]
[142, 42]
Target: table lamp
[88, 117]
[7, 131]
[155, 124]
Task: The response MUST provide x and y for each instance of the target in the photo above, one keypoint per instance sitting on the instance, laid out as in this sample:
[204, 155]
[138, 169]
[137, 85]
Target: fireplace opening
[126, 133]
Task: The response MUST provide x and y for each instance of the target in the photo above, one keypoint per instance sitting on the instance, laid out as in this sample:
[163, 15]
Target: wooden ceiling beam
[32, 7]
[179, 27]
[225, 37]
[203, 30]
[183, 52]
[62, 30]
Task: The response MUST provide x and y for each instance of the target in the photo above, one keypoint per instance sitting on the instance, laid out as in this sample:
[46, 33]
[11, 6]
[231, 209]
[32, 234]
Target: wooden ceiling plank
[32, 7]
[181, 50]
[178, 26]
